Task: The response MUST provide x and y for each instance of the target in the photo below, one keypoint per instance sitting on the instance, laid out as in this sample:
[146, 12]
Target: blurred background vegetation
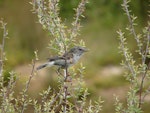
[102, 19]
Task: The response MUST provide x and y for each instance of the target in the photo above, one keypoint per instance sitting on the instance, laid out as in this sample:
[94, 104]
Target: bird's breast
[76, 58]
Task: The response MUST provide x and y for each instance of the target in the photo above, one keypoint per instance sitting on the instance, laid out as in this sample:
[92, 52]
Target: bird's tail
[49, 64]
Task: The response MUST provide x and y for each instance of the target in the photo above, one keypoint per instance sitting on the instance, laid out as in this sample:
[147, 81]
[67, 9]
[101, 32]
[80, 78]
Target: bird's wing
[55, 58]
[69, 57]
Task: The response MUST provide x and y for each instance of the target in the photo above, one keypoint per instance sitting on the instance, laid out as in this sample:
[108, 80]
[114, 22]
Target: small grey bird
[66, 60]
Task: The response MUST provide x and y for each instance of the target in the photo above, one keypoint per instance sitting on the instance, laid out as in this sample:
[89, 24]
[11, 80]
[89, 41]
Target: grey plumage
[66, 60]
[41, 66]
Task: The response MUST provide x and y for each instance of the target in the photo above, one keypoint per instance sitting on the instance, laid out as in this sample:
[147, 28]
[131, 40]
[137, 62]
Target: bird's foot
[58, 72]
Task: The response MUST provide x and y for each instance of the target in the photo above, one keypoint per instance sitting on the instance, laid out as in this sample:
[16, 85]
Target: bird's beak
[86, 50]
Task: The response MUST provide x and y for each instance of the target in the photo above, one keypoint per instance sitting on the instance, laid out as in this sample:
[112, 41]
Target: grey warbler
[67, 59]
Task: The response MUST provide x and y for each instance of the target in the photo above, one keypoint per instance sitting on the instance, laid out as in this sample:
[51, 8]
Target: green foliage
[136, 71]
[71, 96]
[100, 19]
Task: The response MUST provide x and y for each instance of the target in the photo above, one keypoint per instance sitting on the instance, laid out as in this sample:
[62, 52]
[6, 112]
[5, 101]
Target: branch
[125, 52]
[27, 87]
[147, 68]
[65, 90]
[5, 33]
[76, 23]
[132, 29]
[49, 18]
[2, 57]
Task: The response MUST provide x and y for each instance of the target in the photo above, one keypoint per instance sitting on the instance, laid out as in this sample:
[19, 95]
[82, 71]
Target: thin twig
[31, 76]
[2, 46]
[147, 68]
[125, 53]
[65, 89]
[125, 5]
[54, 100]
[56, 109]
[76, 23]
[2, 60]
[27, 86]
[146, 93]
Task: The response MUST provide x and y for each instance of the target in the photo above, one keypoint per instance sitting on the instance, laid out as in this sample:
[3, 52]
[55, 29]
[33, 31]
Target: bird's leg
[68, 74]
[58, 71]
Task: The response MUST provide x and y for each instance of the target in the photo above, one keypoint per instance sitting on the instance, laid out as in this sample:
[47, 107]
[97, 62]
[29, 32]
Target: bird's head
[78, 50]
